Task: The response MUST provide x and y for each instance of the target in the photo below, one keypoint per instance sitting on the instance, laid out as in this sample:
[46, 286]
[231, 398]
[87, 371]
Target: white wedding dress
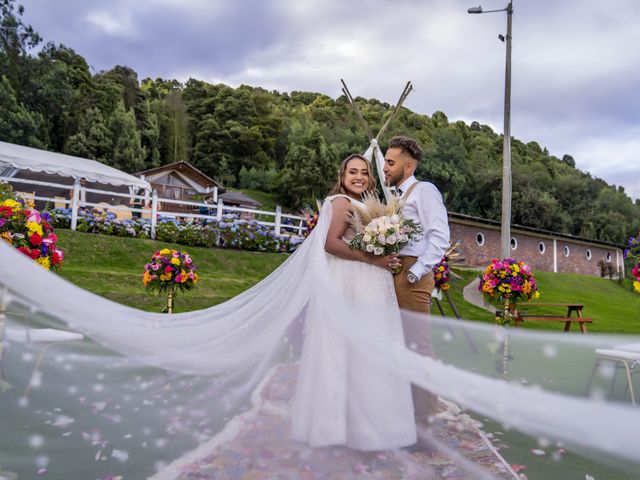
[341, 398]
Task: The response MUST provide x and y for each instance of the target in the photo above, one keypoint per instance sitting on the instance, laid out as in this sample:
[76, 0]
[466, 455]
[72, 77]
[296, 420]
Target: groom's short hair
[408, 145]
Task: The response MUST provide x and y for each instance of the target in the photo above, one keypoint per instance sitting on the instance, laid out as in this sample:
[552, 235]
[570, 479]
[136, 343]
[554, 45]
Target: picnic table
[571, 308]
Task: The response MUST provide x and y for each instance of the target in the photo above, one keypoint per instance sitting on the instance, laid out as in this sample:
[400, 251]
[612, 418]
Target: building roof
[238, 198]
[185, 168]
[522, 228]
[36, 160]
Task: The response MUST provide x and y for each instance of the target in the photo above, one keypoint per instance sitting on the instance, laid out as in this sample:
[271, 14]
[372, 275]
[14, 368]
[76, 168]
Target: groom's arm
[435, 225]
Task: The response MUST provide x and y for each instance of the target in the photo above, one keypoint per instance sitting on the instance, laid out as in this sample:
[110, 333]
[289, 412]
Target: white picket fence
[154, 207]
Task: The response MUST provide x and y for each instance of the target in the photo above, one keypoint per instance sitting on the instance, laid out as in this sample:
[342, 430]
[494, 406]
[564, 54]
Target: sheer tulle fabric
[143, 389]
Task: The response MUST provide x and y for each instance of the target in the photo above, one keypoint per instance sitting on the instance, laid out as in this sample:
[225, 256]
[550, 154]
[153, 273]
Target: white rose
[370, 248]
[366, 238]
[395, 219]
[382, 240]
[404, 238]
[378, 251]
[391, 239]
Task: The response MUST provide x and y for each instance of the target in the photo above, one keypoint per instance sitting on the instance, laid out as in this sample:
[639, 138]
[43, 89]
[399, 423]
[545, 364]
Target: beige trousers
[417, 331]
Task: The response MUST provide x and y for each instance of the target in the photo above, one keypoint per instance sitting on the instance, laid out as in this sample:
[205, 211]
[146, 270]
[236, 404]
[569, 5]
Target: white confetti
[121, 455]
[36, 441]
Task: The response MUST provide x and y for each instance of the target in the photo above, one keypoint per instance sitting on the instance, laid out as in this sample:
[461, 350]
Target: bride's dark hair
[338, 188]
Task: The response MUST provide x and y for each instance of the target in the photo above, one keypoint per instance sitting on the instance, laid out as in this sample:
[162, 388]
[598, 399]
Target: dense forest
[289, 144]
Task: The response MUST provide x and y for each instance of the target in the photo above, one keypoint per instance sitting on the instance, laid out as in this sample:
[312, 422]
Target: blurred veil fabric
[146, 394]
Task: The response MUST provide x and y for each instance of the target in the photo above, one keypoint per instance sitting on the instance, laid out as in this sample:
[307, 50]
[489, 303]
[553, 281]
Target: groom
[414, 284]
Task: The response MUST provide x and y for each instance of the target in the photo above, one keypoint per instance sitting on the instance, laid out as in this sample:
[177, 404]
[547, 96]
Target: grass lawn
[269, 201]
[113, 266]
[614, 308]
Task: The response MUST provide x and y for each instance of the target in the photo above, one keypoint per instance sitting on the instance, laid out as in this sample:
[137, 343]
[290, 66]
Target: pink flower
[50, 239]
[168, 269]
[34, 216]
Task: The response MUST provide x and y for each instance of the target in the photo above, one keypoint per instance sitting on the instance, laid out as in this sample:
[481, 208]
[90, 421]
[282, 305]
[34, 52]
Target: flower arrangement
[441, 275]
[169, 271]
[381, 229]
[632, 251]
[310, 218]
[30, 231]
[442, 270]
[506, 282]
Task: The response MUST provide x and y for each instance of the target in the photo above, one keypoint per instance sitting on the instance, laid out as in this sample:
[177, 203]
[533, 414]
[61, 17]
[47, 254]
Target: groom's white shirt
[424, 205]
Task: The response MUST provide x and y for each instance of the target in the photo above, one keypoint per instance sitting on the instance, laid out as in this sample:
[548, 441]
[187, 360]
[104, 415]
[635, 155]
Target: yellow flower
[146, 278]
[12, 203]
[165, 276]
[441, 268]
[6, 236]
[536, 295]
[175, 261]
[636, 285]
[44, 261]
[165, 251]
[195, 277]
[33, 227]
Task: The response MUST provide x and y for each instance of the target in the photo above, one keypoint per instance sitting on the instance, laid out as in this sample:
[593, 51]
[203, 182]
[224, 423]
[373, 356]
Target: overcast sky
[576, 63]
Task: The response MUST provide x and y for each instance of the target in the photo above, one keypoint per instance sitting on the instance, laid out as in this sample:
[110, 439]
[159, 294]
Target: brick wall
[481, 243]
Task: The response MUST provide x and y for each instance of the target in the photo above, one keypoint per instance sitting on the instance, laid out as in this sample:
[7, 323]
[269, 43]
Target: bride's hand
[388, 262]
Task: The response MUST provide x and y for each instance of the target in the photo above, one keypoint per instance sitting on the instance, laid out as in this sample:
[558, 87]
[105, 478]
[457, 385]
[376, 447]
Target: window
[480, 239]
[566, 251]
[589, 254]
[608, 257]
[542, 247]
[514, 243]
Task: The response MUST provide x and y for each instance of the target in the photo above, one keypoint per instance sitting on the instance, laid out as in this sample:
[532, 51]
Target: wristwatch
[411, 278]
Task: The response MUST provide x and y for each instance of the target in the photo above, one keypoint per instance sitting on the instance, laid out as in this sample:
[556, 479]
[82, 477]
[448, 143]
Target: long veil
[94, 389]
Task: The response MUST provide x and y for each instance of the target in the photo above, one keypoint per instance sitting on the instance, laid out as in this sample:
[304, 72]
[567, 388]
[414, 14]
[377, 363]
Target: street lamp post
[505, 237]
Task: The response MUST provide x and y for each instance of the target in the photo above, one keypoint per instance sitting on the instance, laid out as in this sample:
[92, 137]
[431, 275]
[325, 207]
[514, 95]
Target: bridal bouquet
[30, 231]
[381, 229]
[169, 271]
[507, 281]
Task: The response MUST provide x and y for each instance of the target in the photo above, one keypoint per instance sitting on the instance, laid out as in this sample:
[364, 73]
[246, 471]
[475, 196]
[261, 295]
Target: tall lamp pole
[505, 237]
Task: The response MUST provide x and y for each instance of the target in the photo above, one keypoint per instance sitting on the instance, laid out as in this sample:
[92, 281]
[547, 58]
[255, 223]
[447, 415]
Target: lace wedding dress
[341, 398]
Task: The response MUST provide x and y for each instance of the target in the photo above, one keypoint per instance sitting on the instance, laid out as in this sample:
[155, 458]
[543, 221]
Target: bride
[341, 399]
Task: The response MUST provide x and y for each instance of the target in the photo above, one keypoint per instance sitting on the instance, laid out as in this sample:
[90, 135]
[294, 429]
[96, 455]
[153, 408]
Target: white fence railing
[154, 206]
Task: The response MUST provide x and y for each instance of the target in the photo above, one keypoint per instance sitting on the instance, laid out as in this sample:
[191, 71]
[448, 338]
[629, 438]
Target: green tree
[93, 139]
[16, 38]
[128, 153]
[309, 166]
[17, 124]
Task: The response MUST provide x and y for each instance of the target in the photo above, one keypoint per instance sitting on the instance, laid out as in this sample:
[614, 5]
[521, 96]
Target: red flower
[35, 253]
[35, 240]
[25, 250]
[6, 211]
[168, 269]
[56, 257]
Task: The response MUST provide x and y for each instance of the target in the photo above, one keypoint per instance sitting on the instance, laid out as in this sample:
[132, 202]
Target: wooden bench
[568, 319]
[554, 318]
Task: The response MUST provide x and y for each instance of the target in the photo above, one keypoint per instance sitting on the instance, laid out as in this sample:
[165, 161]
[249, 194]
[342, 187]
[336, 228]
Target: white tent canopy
[36, 160]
